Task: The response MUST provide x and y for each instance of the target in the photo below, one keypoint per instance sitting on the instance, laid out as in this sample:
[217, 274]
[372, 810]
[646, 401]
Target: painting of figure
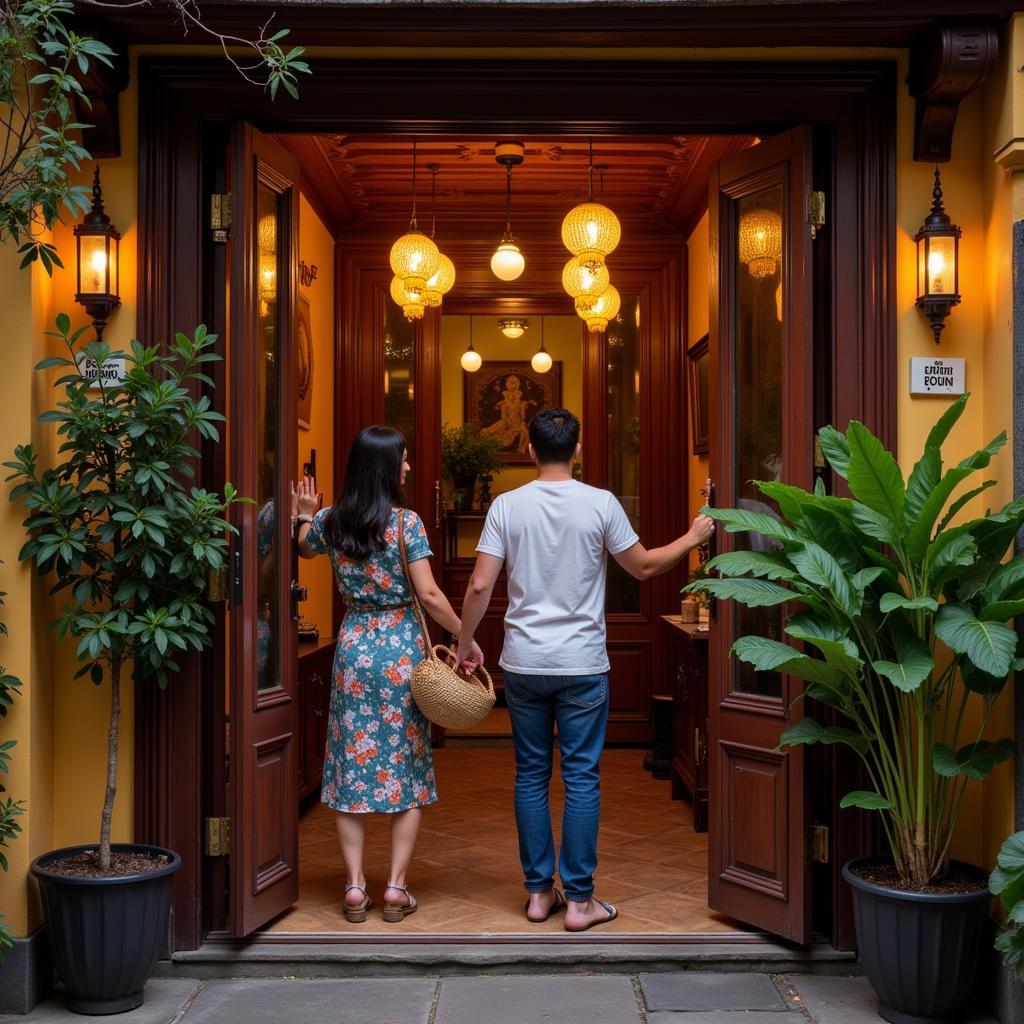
[304, 366]
[502, 398]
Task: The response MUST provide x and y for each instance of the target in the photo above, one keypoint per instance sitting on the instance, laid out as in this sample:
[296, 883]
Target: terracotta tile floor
[466, 875]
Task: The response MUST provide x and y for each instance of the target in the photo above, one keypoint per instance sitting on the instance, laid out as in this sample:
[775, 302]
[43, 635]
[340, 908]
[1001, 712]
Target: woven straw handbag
[442, 693]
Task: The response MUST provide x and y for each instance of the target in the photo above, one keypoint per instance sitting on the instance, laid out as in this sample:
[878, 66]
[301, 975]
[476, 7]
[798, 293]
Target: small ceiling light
[508, 262]
[760, 242]
[591, 231]
[440, 283]
[541, 361]
[471, 359]
[97, 244]
[414, 256]
[598, 313]
[413, 309]
[584, 281]
[514, 327]
[938, 263]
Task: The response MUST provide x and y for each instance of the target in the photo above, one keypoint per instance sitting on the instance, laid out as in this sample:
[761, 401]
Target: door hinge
[217, 585]
[218, 837]
[815, 211]
[817, 844]
[220, 216]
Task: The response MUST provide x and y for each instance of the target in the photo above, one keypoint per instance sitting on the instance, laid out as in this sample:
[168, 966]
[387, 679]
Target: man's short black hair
[554, 434]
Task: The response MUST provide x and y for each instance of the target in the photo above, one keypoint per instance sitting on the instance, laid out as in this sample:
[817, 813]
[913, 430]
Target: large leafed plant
[903, 625]
[116, 521]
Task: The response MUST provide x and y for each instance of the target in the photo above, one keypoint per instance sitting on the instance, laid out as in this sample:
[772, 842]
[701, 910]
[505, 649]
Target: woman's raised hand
[305, 500]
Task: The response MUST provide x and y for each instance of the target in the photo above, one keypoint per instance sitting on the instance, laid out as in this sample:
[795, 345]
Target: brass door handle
[437, 504]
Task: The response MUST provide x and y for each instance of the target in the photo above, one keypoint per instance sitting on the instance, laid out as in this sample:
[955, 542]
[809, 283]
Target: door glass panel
[400, 380]
[623, 345]
[269, 270]
[757, 366]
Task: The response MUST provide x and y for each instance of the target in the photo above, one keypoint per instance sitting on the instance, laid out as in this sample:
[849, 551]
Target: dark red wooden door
[264, 747]
[761, 383]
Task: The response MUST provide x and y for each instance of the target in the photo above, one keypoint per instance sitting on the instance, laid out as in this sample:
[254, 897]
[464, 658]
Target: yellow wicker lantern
[440, 284]
[760, 242]
[599, 312]
[399, 293]
[590, 232]
[414, 259]
[583, 281]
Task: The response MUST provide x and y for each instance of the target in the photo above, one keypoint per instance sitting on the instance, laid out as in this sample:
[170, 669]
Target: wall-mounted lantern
[938, 263]
[97, 244]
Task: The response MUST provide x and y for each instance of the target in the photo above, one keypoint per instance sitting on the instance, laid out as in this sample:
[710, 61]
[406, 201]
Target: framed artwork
[697, 369]
[502, 398]
[304, 365]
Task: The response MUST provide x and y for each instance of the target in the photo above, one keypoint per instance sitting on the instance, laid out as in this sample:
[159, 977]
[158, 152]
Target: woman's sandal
[559, 904]
[612, 914]
[394, 912]
[356, 914]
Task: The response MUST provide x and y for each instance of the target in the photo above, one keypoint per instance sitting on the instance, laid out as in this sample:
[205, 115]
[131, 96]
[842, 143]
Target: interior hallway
[466, 875]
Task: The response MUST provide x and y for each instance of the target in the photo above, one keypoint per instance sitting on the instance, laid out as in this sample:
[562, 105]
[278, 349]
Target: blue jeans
[579, 706]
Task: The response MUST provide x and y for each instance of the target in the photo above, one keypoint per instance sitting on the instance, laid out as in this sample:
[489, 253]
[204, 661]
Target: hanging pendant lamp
[760, 242]
[471, 359]
[541, 361]
[443, 279]
[413, 309]
[598, 313]
[414, 256]
[581, 281]
[591, 230]
[508, 262]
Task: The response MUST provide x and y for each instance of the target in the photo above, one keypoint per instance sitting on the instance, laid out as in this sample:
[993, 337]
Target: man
[554, 533]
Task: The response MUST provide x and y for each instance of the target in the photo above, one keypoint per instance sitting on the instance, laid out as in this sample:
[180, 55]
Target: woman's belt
[371, 608]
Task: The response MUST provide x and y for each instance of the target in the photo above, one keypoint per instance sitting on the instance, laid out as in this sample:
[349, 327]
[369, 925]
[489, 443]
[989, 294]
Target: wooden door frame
[181, 98]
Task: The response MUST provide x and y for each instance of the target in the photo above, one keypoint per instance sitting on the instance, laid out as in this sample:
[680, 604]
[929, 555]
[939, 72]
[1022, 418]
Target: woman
[378, 746]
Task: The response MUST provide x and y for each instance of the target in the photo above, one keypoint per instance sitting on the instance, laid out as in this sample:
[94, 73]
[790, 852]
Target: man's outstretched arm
[478, 597]
[642, 564]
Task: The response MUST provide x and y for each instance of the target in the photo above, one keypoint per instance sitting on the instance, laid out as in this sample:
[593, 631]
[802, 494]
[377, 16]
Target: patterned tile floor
[466, 875]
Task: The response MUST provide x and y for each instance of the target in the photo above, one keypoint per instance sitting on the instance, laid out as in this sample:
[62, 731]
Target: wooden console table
[689, 686]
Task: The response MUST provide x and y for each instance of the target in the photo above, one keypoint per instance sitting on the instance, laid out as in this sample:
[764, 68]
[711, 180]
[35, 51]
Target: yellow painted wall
[316, 246]
[697, 267]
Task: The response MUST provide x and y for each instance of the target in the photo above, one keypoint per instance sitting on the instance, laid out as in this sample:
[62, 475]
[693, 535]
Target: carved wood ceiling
[362, 183]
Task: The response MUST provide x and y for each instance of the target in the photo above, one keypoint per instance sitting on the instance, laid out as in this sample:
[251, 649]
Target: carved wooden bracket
[947, 63]
[103, 86]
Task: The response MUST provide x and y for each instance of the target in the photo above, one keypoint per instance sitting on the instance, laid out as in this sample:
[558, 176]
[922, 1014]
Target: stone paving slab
[354, 1001]
[545, 999]
[697, 991]
[164, 999]
[729, 1017]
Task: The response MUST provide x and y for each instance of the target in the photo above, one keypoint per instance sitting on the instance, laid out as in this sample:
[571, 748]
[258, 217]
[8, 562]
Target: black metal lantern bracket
[937, 305]
[96, 224]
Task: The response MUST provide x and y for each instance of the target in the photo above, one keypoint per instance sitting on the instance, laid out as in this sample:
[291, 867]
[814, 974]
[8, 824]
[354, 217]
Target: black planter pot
[919, 950]
[105, 933]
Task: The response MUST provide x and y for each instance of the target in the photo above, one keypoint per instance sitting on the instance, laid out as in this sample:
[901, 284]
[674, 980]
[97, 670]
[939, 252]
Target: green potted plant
[129, 543]
[465, 455]
[903, 626]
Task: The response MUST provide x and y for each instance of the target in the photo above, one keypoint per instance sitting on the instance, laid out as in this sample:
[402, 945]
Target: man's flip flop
[612, 914]
[559, 904]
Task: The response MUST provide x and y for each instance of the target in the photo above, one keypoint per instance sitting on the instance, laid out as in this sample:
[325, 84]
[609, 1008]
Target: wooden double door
[634, 443]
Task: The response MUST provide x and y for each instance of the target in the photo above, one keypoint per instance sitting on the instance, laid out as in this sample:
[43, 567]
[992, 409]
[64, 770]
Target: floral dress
[378, 742]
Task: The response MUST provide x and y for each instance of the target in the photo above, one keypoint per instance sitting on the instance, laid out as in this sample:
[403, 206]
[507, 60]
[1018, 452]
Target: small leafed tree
[43, 65]
[904, 623]
[10, 809]
[129, 541]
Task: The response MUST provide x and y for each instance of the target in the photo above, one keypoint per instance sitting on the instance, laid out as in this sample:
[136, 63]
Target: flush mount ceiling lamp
[591, 230]
[508, 263]
[598, 313]
[541, 361]
[514, 327]
[760, 242]
[938, 263]
[414, 256]
[471, 359]
[583, 281]
[443, 279]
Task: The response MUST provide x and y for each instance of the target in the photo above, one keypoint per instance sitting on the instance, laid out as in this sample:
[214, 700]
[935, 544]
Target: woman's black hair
[356, 522]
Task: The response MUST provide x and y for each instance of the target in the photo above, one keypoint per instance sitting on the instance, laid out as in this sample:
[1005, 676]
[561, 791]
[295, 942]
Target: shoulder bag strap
[417, 610]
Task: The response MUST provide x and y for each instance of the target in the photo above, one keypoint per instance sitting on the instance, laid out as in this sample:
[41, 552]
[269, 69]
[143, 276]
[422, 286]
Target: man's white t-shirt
[554, 536]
